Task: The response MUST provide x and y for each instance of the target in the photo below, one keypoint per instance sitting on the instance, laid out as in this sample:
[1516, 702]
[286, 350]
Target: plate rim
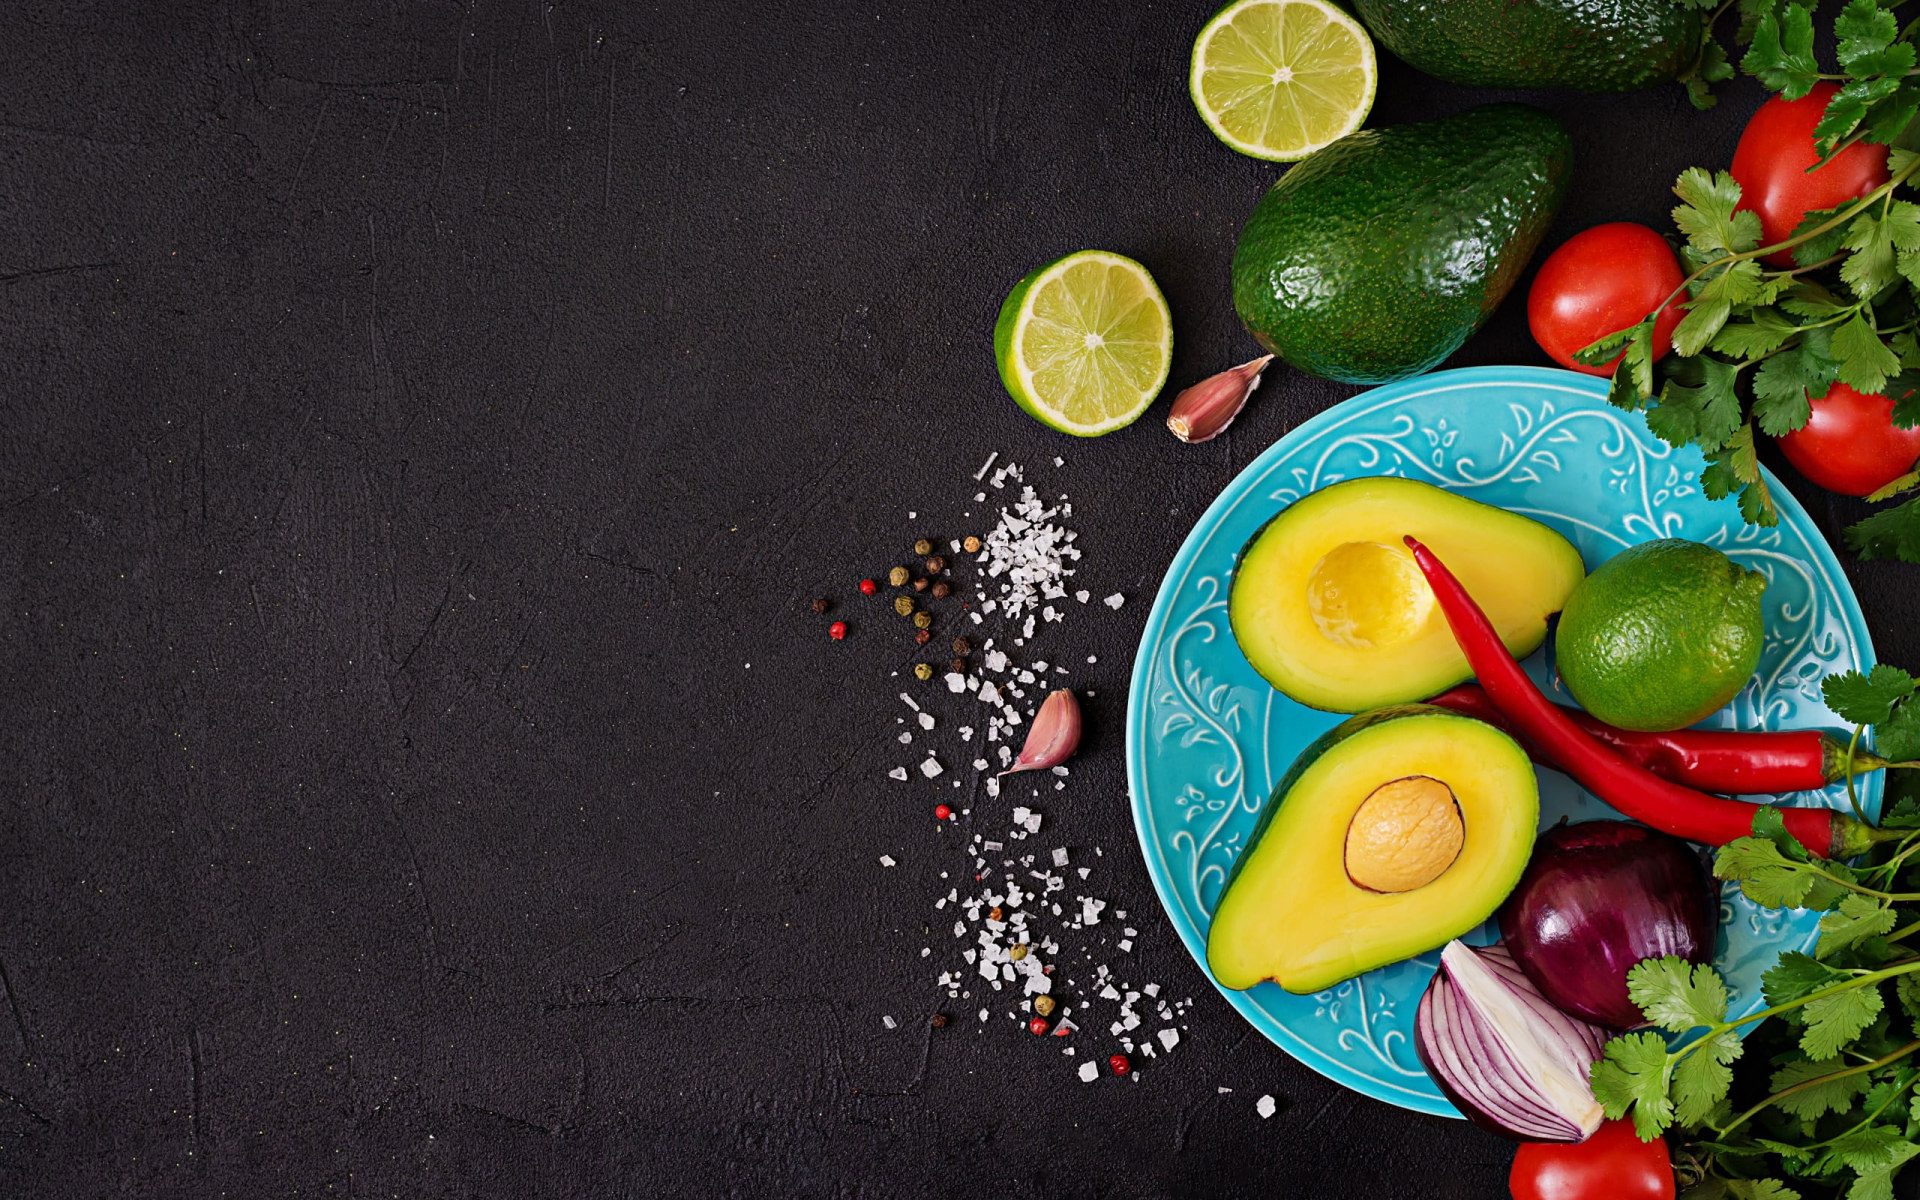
[1195, 542]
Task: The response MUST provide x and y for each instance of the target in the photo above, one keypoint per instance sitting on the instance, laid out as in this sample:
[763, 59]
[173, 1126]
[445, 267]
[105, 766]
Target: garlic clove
[1053, 736]
[1202, 411]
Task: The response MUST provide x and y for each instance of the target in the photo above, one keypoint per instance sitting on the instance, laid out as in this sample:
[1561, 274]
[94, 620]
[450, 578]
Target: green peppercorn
[923, 671]
[923, 547]
[903, 605]
[962, 646]
[1043, 1005]
[897, 577]
[1016, 952]
[921, 620]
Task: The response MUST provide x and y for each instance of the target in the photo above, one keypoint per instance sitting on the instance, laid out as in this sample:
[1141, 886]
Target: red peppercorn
[942, 812]
[868, 587]
[1037, 1026]
[1119, 1064]
[837, 630]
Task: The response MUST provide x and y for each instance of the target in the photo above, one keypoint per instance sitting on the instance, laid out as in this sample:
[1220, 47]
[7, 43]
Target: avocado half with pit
[1393, 833]
[1330, 608]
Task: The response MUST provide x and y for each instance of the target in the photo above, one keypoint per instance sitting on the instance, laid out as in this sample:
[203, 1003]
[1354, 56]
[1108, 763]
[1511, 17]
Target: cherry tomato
[1600, 281]
[1771, 162]
[1613, 1164]
[1850, 444]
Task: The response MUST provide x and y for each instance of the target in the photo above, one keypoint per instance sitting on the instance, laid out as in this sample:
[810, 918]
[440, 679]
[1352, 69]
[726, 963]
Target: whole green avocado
[1584, 45]
[1381, 255]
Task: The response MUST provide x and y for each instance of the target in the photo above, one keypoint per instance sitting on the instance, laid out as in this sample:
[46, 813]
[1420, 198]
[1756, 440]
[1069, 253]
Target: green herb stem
[1802, 1086]
[1858, 981]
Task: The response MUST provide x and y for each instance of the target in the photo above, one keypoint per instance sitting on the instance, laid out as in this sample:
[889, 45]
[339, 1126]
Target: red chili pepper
[837, 630]
[1713, 760]
[1037, 1026]
[868, 587]
[941, 812]
[1119, 1064]
[1635, 791]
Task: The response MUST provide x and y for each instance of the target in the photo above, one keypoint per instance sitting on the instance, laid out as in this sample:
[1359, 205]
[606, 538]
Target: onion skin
[1595, 899]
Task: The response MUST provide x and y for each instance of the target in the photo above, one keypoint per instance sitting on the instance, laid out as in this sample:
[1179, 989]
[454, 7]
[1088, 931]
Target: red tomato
[1600, 281]
[1613, 1164]
[1850, 444]
[1771, 162]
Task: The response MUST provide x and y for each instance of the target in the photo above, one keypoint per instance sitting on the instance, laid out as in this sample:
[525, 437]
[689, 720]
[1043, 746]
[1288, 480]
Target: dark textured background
[413, 417]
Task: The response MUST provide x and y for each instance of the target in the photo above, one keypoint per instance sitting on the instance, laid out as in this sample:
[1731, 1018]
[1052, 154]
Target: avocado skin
[1381, 255]
[1581, 45]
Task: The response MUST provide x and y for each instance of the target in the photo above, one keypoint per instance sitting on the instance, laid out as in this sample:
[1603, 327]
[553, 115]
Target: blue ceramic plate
[1207, 738]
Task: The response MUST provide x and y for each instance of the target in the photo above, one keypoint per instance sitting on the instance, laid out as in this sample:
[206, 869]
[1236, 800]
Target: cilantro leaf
[1866, 699]
[1677, 995]
[1898, 737]
[1890, 533]
[1796, 975]
[1865, 360]
[1818, 247]
[1782, 52]
[1707, 414]
[1632, 1074]
[1706, 213]
[1765, 332]
[1857, 918]
[1835, 1020]
[1875, 1154]
[1756, 500]
[1702, 1079]
[1865, 33]
[1603, 350]
[1849, 106]
[1760, 1189]
[1817, 1099]
[1711, 68]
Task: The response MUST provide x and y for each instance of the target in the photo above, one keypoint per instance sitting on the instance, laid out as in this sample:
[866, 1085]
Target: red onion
[1509, 1060]
[1595, 899]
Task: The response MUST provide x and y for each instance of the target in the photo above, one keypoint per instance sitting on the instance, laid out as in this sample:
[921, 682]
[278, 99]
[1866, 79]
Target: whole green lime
[1661, 635]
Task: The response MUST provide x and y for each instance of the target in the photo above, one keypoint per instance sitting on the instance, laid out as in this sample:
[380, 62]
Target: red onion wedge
[1511, 1062]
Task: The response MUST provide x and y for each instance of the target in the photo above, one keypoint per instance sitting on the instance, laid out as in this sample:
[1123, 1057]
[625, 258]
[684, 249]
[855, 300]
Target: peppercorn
[938, 1020]
[1043, 1005]
[923, 547]
[868, 587]
[923, 671]
[1119, 1064]
[936, 564]
[837, 630]
[1017, 951]
[962, 646]
[1037, 1026]
[922, 636]
[941, 812]
[820, 605]
[897, 576]
[958, 666]
[921, 620]
[942, 590]
[994, 914]
[920, 585]
[971, 545]
[903, 605]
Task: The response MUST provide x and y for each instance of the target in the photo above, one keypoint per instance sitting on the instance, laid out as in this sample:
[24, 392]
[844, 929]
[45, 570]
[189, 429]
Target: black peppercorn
[962, 646]
[939, 1021]
[958, 666]
[820, 605]
[942, 590]
[936, 564]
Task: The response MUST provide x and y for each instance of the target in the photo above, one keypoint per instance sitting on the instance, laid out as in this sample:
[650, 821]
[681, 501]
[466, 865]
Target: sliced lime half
[1084, 343]
[1279, 79]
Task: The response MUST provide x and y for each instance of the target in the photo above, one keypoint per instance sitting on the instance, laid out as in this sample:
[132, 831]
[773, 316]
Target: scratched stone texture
[415, 416]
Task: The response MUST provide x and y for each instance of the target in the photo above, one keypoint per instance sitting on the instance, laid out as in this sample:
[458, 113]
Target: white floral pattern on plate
[1207, 739]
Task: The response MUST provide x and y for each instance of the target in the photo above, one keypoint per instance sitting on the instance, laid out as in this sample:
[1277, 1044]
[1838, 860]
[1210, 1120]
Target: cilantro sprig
[1820, 1096]
[1758, 340]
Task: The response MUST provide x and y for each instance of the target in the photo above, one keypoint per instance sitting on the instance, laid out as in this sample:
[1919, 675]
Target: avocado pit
[1404, 835]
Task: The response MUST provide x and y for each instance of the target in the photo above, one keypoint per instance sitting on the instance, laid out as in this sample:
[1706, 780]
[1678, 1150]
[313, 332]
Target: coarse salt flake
[1169, 1038]
[1091, 1071]
[1265, 1106]
[1114, 601]
[886, 860]
[931, 767]
[899, 773]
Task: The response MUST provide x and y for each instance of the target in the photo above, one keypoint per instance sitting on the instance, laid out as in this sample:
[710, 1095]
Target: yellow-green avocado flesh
[1289, 911]
[1329, 607]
